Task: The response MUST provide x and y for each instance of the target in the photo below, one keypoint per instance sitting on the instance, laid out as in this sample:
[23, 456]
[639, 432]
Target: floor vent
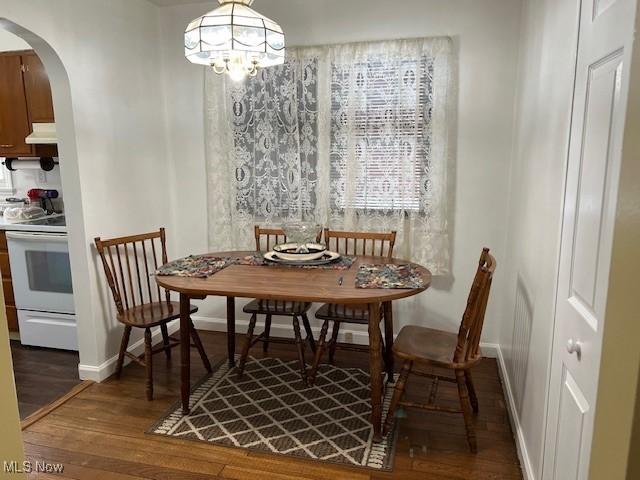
[522, 318]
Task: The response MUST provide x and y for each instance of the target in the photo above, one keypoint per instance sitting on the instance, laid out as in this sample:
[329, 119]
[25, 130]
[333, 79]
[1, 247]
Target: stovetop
[56, 220]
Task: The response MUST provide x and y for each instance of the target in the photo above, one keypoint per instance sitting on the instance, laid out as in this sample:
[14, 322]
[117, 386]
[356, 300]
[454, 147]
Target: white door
[599, 104]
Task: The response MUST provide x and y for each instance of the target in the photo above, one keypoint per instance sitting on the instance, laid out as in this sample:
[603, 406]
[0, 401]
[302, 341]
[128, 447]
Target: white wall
[10, 42]
[486, 35]
[104, 67]
[545, 85]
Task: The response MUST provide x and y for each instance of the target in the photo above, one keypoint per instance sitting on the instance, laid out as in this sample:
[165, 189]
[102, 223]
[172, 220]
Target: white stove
[41, 277]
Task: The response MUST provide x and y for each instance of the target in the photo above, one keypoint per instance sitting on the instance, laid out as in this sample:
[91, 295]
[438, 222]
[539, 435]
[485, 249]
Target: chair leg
[472, 391]
[466, 410]
[148, 362]
[198, 343]
[247, 344]
[334, 341]
[398, 391]
[307, 328]
[267, 332]
[165, 340]
[388, 340]
[300, 345]
[319, 351]
[123, 348]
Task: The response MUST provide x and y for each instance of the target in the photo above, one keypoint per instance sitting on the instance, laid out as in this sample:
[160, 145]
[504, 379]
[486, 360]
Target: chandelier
[234, 39]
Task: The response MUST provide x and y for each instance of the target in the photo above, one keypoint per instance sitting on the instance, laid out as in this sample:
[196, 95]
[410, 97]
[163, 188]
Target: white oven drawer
[45, 329]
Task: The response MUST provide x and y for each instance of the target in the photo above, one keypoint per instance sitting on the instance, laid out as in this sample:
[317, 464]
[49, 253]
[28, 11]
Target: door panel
[599, 6]
[593, 170]
[602, 88]
[38, 90]
[14, 121]
[573, 407]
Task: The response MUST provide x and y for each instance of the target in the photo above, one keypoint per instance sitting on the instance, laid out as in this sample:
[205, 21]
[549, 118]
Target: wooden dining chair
[349, 243]
[129, 263]
[458, 352]
[267, 238]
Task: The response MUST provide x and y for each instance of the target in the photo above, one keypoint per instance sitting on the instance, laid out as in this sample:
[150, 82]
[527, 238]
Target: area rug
[270, 410]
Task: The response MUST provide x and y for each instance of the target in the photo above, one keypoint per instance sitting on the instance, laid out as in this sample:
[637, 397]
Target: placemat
[199, 266]
[389, 275]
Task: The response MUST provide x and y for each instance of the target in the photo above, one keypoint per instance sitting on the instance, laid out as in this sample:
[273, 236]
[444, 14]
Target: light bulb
[236, 69]
[237, 72]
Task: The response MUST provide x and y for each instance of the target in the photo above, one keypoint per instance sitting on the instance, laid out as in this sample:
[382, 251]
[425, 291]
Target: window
[6, 182]
[275, 132]
[381, 115]
[352, 136]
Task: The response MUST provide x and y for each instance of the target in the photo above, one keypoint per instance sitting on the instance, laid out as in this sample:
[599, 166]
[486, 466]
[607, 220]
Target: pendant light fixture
[234, 39]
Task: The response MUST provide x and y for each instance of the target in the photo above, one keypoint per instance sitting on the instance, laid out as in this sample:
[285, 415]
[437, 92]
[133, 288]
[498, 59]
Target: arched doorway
[69, 169]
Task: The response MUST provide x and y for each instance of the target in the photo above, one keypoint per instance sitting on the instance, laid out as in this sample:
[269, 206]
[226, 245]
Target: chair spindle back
[360, 243]
[468, 346]
[129, 263]
[271, 237]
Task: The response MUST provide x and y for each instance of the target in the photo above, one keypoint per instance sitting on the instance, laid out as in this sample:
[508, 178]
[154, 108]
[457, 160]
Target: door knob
[574, 346]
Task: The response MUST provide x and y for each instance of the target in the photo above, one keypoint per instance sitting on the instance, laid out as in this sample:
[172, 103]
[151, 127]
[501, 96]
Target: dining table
[293, 283]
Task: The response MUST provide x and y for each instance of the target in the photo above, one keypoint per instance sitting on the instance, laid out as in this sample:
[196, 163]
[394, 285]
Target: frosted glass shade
[234, 36]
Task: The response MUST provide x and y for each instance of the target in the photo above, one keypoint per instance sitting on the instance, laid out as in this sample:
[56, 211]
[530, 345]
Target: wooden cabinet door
[38, 90]
[14, 119]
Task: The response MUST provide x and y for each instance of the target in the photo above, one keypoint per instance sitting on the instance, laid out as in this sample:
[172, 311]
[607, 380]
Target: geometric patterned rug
[270, 410]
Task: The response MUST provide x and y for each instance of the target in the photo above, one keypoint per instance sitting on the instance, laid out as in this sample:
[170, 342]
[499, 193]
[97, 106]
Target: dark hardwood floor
[99, 434]
[42, 375]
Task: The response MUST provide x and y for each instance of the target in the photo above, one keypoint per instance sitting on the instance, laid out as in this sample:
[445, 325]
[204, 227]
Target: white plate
[293, 256]
[327, 258]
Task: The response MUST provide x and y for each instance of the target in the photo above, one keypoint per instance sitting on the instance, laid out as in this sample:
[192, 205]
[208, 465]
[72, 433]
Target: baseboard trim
[347, 335]
[212, 324]
[103, 371]
[525, 460]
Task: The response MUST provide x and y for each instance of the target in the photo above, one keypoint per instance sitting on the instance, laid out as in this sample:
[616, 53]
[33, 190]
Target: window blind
[381, 115]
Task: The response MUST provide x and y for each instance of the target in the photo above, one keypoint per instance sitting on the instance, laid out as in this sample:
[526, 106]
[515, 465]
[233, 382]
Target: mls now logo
[33, 467]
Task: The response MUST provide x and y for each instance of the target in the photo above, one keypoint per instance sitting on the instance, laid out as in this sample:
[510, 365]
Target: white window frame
[6, 179]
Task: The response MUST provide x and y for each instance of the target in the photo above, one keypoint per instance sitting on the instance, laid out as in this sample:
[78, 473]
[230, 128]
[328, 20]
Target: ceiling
[167, 3]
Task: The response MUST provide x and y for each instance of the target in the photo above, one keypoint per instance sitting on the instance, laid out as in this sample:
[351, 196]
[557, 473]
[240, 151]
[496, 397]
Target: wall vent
[520, 343]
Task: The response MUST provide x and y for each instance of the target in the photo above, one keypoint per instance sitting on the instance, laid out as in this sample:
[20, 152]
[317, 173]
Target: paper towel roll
[44, 163]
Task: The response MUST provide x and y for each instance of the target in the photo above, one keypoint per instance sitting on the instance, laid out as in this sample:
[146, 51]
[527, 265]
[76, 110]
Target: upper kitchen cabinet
[14, 117]
[37, 90]
[25, 99]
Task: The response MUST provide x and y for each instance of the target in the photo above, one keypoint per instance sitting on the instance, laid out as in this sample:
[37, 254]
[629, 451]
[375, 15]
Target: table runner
[389, 275]
[203, 266]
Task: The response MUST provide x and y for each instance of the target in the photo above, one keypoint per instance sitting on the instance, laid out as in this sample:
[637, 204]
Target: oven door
[40, 271]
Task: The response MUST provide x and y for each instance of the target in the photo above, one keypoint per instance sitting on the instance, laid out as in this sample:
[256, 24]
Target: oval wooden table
[320, 285]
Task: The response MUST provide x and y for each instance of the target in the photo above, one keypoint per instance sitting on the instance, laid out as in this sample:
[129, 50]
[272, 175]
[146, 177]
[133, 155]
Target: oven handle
[36, 236]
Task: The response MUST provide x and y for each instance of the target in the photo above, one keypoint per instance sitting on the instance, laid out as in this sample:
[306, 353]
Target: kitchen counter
[34, 227]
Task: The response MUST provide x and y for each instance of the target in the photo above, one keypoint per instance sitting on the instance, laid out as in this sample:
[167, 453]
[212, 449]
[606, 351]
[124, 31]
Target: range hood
[43, 133]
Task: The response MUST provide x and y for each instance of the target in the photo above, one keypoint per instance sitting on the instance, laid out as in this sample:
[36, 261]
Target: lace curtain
[351, 136]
